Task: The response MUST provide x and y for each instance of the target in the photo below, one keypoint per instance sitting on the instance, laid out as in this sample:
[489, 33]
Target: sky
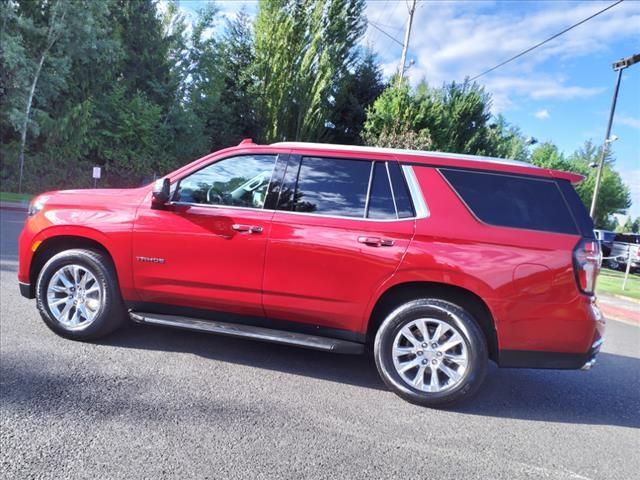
[560, 92]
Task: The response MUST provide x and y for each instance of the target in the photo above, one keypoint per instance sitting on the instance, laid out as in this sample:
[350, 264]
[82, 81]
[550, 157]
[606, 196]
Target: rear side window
[580, 213]
[381, 204]
[513, 201]
[401, 191]
[332, 187]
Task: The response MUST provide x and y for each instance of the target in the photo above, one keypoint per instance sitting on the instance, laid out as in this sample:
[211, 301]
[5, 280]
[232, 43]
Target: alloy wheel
[74, 297]
[430, 355]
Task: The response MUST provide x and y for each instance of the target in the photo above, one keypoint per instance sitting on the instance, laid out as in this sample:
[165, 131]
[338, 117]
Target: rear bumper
[25, 290]
[560, 360]
[551, 360]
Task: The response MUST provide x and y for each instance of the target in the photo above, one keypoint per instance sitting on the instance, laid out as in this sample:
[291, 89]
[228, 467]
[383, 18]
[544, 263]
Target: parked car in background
[437, 262]
[605, 237]
[626, 246]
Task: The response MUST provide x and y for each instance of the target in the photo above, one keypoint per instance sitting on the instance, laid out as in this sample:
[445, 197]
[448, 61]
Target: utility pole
[405, 45]
[618, 66]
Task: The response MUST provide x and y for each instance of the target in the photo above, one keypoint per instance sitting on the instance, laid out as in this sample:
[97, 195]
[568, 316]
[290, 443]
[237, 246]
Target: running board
[247, 331]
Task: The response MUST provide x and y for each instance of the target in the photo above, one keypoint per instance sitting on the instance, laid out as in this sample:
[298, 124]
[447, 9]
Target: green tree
[628, 225]
[236, 56]
[46, 43]
[507, 141]
[456, 118]
[354, 94]
[303, 48]
[396, 120]
[548, 155]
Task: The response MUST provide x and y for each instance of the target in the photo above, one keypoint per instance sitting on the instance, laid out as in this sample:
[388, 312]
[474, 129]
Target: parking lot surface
[159, 403]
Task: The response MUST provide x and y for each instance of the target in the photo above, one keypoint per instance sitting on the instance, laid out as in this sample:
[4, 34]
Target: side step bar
[247, 331]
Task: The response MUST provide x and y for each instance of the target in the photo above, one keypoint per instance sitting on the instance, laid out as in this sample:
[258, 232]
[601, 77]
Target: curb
[628, 299]
[620, 314]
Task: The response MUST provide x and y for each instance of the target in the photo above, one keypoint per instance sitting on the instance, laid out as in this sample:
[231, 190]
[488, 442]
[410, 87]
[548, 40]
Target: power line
[547, 40]
[388, 46]
[381, 12]
[374, 25]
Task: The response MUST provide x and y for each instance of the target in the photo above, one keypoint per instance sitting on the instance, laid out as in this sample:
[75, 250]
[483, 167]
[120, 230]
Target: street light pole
[605, 147]
[618, 66]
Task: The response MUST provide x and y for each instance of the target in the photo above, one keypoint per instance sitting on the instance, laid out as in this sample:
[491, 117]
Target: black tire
[111, 313]
[446, 312]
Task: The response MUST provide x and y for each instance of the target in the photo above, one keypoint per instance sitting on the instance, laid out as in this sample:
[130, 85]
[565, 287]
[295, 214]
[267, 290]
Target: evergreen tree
[236, 60]
[354, 94]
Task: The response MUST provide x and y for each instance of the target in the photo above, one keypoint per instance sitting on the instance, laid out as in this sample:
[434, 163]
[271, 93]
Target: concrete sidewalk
[16, 206]
[621, 309]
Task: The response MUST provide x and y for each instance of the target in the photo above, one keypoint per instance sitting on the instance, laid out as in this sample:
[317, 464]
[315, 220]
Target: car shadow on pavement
[609, 394]
[358, 370]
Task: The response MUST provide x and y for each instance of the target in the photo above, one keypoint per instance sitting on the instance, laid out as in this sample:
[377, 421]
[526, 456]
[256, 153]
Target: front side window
[236, 182]
[332, 187]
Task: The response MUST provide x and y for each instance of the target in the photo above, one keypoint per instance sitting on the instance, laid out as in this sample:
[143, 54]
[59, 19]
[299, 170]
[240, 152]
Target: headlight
[37, 204]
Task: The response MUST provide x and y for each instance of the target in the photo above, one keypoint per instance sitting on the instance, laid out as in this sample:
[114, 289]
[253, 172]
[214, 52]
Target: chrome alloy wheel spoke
[74, 296]
[430, 355]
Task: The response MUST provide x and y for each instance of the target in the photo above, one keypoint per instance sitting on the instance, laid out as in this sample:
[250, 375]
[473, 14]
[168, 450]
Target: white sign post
[97, 172]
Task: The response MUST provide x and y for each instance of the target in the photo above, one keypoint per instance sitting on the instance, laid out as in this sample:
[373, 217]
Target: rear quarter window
[513, 201]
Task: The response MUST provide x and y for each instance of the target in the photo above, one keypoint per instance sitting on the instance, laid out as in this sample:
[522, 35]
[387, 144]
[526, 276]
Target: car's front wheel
[431, 352]
[78, 296]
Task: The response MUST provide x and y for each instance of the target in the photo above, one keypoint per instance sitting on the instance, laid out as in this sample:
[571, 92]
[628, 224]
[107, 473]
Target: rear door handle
[376, 241]
[241, 227]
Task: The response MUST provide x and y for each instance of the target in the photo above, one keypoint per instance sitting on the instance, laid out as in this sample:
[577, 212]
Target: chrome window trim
[368, 199]
[232, 207]
[203, 205]
[415, 193]
[420, 206]
[358, 219]
[393, 194]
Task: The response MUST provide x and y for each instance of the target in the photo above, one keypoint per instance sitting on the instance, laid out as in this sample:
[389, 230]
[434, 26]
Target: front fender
[114, 235]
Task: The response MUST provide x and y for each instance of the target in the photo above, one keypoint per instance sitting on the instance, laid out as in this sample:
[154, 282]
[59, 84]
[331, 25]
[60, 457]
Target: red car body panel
[313, 270]
[318, 272]
[104, 216]
[207, 264]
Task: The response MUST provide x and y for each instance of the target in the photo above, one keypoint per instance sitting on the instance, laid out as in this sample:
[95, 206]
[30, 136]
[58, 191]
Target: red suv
[439, 262]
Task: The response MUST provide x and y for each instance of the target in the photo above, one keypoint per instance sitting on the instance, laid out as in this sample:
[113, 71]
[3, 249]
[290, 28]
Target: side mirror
[161, 192]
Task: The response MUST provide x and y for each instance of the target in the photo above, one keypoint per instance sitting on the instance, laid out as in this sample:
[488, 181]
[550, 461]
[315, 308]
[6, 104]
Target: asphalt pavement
[158, 403]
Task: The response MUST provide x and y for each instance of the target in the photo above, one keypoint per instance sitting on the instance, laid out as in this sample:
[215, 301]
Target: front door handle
[241, 227]
[376, 241]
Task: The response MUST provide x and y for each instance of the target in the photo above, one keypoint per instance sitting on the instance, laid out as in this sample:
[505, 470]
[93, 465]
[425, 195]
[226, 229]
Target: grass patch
[610, 282]
[15, 197]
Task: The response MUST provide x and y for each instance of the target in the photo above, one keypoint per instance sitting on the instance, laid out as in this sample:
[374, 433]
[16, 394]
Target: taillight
[586, 264]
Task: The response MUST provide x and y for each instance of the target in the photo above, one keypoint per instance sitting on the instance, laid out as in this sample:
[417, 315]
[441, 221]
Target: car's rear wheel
[431, 352]
[78, 296]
